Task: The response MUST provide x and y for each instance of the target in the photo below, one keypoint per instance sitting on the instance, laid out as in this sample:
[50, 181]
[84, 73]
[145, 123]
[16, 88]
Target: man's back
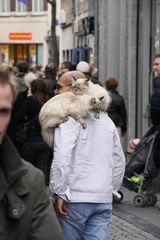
[90, 157]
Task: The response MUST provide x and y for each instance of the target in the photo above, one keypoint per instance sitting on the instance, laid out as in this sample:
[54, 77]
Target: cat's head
[80, 85]
[95, 105]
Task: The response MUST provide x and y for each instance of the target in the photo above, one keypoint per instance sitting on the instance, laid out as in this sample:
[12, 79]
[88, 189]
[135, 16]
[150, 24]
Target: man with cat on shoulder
[88, 166]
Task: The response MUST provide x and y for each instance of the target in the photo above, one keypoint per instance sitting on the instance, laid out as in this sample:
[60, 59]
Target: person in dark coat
[25, 209]
[34, 150]
[117, 110]
[155, 98]
[21, 97]
[155, 114]
[50, 72]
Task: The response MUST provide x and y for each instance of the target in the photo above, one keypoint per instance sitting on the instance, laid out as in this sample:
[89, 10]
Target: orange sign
[20, 36]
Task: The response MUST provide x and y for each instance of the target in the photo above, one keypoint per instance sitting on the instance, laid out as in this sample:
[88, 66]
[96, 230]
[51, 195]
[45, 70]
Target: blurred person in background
[21, 97]
[22, 70]
[50, 73]
[84, 67]
[117, 109]
[155, 115]
[25, 208]
[34, 148]
[155, 98]
[90, 72]
[67, 65]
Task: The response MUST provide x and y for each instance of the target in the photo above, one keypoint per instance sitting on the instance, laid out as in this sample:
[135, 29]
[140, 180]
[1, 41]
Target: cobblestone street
[122, 230]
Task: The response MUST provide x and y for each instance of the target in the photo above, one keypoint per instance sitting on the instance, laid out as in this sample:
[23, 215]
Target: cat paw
[65, 119]
[96, 115]
[84, 125]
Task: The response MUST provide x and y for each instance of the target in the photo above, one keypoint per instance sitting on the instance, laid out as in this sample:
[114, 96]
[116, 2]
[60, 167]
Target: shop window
[5, 7]
[21, 8]
[37, 6]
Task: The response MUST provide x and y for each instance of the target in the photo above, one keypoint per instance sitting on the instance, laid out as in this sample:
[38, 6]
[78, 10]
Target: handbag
[21, 133]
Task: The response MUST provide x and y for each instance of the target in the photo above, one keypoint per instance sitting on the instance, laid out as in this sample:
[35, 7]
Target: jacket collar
[12, 168]
[11, 163]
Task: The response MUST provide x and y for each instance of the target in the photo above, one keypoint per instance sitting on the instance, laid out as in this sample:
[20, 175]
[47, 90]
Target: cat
[59, 108]
[83, 86]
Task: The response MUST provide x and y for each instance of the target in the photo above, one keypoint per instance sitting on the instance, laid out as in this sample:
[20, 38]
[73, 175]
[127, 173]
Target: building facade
[77, 24]
[24, 27]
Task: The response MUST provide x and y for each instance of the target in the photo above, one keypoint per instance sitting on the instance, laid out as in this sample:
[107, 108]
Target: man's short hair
[7, 79]
[157, 55]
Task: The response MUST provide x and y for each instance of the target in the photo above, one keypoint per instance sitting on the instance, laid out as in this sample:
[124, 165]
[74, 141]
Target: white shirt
[89, 163]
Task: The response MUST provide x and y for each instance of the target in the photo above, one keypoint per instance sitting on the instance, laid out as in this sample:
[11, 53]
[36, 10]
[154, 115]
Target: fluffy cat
[83, 86]
[59, 108]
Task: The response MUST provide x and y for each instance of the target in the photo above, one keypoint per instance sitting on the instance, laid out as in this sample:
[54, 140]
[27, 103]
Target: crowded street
[79, 120]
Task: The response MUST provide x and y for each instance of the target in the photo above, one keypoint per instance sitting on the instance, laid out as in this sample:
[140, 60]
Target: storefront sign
[20, 36]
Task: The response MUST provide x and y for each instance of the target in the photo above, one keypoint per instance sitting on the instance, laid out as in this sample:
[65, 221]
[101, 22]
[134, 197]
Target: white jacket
[89, 163]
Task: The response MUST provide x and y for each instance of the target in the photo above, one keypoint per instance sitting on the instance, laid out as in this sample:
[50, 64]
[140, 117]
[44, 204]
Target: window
[21, 8]
[37, 6]
[4, 6]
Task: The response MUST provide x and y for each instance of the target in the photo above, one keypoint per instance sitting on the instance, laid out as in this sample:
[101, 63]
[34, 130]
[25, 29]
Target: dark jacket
[117, 111]
[155, 99]
[25, 209]
[13, 125]
[29, 110]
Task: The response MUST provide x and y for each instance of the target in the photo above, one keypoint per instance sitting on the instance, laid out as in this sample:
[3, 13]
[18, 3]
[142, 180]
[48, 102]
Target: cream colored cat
[83, 86]
[59, 108]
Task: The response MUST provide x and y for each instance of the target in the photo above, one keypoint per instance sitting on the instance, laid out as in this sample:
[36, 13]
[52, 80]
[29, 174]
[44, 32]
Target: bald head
[69, 76]
[66, 80]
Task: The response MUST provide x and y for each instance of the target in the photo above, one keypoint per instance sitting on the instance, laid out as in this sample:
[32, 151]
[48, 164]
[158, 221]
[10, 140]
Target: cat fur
[83, 86]
[59, 108]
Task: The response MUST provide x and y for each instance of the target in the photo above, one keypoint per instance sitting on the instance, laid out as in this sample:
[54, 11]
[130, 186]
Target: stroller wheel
[119, 198]
[151, 199]
[139, 200]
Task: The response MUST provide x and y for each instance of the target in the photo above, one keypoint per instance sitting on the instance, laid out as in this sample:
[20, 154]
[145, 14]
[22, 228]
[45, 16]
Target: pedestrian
[34, 150]
[155, 113]
[22, 70]
[21, 97]
[88, 165]
[25, 209]
[84, 67]
[50, 73]
[90, 72]
[155, 98]
[117, 109]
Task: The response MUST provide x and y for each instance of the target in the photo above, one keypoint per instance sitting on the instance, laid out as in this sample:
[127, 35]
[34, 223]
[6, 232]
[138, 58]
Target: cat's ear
[93, 100]
[74, 78]
[101, 98]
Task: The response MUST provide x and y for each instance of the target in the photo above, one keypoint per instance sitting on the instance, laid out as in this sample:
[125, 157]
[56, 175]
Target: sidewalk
[122, 230]
[130, 222]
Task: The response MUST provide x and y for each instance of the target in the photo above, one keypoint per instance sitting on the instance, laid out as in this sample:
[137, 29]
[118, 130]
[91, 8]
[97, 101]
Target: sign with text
[20, 36]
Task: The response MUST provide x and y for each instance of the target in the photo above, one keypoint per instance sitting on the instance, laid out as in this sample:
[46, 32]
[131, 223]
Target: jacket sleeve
[119, 162]
[65, 138]
[44, 225]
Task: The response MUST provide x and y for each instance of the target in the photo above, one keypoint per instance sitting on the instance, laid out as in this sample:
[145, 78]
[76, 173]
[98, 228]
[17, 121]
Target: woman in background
[116, 110]
[34, 149]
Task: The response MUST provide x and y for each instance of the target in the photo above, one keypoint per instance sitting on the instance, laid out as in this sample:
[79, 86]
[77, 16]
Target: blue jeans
[87, 221]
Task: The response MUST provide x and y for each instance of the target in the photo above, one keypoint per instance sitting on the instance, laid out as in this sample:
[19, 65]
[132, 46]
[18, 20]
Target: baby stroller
[142, 167]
